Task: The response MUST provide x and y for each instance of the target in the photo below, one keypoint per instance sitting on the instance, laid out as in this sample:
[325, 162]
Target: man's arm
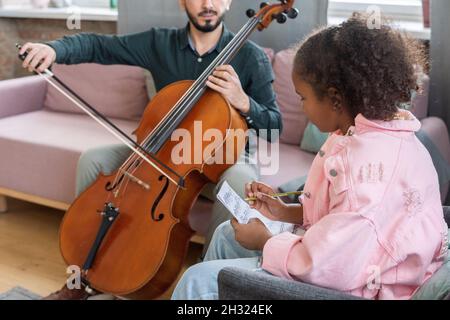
[131, 49]
[256, 101]
[104, 49]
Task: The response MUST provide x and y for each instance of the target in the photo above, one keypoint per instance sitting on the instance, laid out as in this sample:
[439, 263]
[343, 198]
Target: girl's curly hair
[375, 70]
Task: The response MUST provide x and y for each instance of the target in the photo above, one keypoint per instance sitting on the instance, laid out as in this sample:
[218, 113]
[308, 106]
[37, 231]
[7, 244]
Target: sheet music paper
[243, 213]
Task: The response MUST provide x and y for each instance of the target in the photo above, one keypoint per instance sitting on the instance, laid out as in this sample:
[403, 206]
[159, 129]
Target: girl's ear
[336, 99]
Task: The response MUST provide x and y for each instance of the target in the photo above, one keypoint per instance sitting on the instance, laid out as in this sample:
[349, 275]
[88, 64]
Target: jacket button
[333, 173]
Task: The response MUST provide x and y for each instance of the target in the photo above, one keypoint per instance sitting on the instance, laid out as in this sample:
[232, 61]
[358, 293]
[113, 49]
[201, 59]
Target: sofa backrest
[294, 119]
[121, 92]
[116, 91]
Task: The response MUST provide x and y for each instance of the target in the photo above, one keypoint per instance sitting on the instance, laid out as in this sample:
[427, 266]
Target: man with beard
[172, 55]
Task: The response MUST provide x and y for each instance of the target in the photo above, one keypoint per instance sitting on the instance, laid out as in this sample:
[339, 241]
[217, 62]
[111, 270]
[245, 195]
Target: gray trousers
[108, 159]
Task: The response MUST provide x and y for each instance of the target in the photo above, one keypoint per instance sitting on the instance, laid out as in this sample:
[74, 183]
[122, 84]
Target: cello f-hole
[158, 200]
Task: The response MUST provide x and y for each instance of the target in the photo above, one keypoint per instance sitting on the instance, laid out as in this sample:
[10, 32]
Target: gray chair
[240, 284]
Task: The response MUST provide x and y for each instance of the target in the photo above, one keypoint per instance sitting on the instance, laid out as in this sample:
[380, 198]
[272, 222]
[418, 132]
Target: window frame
[396, 9]
[104, 4]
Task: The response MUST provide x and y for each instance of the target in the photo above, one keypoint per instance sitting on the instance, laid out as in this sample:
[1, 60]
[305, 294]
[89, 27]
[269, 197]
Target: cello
[129, 231]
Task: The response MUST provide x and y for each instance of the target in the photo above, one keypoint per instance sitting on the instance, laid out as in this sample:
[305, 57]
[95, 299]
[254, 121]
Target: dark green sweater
[168, 54]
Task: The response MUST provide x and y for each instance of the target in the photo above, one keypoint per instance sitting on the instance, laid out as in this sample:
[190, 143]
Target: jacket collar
[409, 125]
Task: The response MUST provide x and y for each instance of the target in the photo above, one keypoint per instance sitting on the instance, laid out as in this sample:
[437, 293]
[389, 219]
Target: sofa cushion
[44, 148]
[313, 139]
[270, 53]
[116, 91]
[294, 120]
[293, 163]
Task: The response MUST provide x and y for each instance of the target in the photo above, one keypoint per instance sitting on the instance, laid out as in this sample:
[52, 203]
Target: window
[406, 14]
[92, 3]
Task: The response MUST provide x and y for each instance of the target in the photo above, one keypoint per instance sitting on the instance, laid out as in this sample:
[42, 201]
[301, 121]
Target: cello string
[196, 89]
[187, 97]
[229, 50]
[199, 85]
[227, 53]
[192, 93]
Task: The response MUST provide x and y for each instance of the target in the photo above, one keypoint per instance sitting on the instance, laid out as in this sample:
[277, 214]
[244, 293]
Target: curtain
[140, 15]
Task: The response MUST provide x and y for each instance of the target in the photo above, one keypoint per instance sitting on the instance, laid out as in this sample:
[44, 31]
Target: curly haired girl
[371, 208]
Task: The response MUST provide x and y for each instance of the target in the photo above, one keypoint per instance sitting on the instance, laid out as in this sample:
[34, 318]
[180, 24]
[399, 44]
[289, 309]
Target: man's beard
[208, 27]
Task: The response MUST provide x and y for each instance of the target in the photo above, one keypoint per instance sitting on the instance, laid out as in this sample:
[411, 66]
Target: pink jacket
[373, 215]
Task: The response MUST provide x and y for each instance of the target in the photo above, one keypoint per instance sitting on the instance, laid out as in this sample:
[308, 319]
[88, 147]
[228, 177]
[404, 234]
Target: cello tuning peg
[282, 18]
[293, 13]
[264, 4]
[250, 13]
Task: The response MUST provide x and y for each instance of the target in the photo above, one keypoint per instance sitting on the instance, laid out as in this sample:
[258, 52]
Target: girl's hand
[252, 236]
[272, 208]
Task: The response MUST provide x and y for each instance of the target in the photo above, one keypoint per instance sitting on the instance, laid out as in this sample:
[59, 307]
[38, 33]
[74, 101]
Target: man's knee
[90, 160]
[237, 177]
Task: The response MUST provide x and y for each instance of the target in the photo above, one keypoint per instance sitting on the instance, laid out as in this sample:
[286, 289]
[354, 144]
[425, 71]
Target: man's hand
[251, 236]
[38, 54]
[226, 81]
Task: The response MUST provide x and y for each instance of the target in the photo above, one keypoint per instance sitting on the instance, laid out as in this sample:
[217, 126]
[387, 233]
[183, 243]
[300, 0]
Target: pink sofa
[42, 136]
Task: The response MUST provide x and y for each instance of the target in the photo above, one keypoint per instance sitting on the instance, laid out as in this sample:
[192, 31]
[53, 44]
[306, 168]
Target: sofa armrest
[241, 284]
[22, 95]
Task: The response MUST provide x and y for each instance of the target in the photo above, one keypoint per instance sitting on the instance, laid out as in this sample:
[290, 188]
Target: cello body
[143, 252]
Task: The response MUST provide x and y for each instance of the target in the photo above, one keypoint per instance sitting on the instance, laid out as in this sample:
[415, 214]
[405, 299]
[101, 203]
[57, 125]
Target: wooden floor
[29, 251]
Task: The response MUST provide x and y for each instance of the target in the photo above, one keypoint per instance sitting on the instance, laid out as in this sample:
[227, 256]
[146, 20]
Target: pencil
[278, 195]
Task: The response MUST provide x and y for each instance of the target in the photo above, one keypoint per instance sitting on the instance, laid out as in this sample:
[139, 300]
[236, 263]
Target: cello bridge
[138, 181]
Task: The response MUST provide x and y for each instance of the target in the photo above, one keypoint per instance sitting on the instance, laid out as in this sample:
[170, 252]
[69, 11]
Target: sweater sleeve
[133, 49]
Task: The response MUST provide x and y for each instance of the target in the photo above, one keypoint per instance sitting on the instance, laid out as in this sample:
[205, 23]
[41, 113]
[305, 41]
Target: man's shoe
[68, 294]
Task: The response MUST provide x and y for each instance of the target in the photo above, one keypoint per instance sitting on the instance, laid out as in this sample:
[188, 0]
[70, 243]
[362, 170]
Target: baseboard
[34, 199]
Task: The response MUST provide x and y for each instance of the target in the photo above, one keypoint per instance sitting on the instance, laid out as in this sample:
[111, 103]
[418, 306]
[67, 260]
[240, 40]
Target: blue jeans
[200, 281]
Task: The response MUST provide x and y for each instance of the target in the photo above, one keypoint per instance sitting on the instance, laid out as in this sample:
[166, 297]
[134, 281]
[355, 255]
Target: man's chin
[206, 27]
